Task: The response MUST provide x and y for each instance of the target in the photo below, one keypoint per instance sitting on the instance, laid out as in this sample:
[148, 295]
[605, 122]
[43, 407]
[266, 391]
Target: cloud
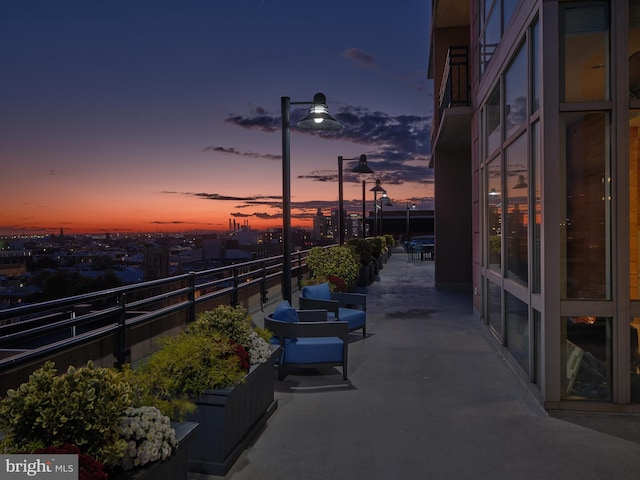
[391, 136]
[360, 58]
[234, 151]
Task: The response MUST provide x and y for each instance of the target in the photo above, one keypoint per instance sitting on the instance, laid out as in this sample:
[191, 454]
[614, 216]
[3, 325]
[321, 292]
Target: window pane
[494, 307]
[494, 214]
[585, 31]
[634, 332]
[585, 210]
[509, 6]
[517, 221]
[492, 122]
[634, 204]
[537, 201]
[535, 68]
[587, 354]
[515, 94]
[518, 330]
[490, 38]
[634, 47]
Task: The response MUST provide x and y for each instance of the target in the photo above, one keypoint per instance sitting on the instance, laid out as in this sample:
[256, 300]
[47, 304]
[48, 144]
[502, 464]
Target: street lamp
[362, 167]
[410, 206]
[387, 203]
[317, 119]
[375, 190]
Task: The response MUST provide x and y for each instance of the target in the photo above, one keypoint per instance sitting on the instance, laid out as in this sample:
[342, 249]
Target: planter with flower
[218, 373]
[363, 250]
[339, 266]
[377, 250]
[93, 412]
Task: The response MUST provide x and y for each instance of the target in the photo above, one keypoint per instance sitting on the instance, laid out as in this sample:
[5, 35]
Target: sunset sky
[160, 116]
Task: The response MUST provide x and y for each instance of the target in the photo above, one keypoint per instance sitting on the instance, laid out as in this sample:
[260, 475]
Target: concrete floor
[428, 397]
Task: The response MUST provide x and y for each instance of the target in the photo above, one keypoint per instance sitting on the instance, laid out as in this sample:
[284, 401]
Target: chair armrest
[306, 329]
[315, 304]
[347, 299]
[312, 315]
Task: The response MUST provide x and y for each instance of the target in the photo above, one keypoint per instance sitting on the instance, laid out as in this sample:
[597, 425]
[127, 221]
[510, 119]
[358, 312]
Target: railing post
[234, 294]
[122, 351]
[299, 267]
[192, 297]
[263, 285]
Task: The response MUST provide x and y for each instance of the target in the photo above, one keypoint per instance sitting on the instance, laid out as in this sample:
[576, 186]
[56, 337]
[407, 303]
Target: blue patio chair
[348, 307]
[308, 338]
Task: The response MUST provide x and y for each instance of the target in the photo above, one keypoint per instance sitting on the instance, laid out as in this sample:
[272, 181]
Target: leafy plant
[186, 366]
[377, 246]
[80, 407]
[362, 249]
[340, 261]
[215, 351]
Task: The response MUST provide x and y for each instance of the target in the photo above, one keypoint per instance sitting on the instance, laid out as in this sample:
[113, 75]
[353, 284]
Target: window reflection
[587, 358]
[517, 221]
[518, 330]
[494, 308]
[585, 214]
[494, 214]
[515, 108]
[585, 51]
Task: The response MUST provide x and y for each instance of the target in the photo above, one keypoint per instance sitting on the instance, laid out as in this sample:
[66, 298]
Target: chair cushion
[314, 350]
[356, 318]
[285, 312]
[321, 291]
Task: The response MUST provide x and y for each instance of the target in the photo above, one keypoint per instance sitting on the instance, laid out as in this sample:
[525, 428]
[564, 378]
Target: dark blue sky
[162, 113]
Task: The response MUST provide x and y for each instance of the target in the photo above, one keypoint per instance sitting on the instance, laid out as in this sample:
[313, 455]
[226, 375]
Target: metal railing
[120, 325]
[455, 86]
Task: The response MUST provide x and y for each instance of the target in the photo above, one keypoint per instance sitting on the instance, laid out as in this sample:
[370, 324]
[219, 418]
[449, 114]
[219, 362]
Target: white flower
[259, 350]
[149, 436]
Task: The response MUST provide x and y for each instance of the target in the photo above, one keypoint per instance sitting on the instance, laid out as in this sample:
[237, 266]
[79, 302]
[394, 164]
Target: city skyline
[156, 116]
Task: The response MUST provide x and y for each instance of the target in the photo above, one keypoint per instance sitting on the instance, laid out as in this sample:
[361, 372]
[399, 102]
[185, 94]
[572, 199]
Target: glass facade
[559, 196]
[494, 308]
[517, 221]
[585, 206]
[495, 16]
[585, 51]
[537, 203]
[494, 214]
[518, 330]
[587, 358]
[515, 93]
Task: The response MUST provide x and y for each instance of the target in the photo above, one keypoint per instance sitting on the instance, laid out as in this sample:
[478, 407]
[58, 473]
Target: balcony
[454, 102]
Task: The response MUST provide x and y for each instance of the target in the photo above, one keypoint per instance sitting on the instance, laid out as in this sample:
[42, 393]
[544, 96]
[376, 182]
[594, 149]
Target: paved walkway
[428, 398]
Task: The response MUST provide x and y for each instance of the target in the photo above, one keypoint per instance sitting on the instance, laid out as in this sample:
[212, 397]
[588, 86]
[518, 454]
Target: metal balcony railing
[117, 326]
[455, 86]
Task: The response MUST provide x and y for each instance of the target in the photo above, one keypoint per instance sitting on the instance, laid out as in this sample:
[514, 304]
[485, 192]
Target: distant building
[156, 262]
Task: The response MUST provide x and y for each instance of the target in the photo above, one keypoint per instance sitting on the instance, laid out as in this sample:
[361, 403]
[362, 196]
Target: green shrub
[185, 367]
[231, 322]
[340, 261]
[377, 246]
[362, 249]
[81, 407]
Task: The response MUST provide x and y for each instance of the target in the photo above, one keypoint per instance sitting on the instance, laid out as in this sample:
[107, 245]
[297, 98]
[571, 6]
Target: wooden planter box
[230, 418]
[366, 275]
[173, 468]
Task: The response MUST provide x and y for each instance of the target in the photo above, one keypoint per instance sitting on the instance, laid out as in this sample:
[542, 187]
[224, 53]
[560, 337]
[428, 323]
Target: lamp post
[375, 190]
[362, 167]
[317, 119]
[410, 206]
[387, 203]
